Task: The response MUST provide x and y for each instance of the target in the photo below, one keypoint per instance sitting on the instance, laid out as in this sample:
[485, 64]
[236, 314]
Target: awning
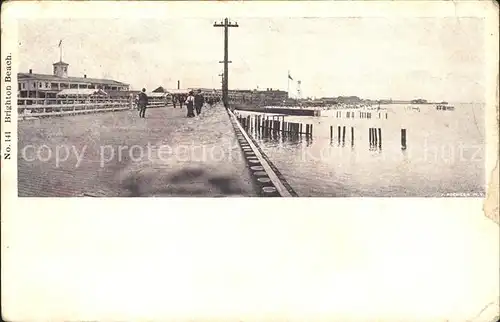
[82, 92]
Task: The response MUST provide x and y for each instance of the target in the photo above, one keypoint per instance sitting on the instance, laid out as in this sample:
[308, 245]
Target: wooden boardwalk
[118, 154]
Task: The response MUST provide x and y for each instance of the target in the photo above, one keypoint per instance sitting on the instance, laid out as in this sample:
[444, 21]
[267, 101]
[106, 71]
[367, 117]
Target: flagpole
[60, 50]
[288, 85]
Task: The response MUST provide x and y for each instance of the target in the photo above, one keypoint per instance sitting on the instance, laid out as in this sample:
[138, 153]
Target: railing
[157, 103]
[38, 107]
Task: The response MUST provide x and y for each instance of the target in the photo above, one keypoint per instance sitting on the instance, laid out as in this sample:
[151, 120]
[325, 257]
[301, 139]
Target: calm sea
[444, 154]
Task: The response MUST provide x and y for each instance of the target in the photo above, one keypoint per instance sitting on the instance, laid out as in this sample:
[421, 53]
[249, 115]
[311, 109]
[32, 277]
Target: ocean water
[444, 154]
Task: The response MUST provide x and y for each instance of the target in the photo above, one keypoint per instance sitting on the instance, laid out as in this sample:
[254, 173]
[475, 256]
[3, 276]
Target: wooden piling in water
[370, 136]
[379, 138]
[338, 132]
[352, 136]
[403, 139]
[343, 134]
[375, 137]
[331, 132]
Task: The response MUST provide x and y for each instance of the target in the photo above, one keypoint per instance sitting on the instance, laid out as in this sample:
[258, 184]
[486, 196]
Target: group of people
[194, 102]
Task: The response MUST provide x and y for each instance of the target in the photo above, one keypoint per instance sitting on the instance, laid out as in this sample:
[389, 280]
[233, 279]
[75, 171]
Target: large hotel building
[32, 85]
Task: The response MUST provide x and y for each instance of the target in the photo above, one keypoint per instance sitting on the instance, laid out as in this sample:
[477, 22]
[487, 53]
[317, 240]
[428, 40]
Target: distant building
[269, 96]
[262, 97]
[31, 85]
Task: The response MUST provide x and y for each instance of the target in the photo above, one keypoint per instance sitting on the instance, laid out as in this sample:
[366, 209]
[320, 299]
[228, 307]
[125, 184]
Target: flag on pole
[290, 77]
[60, 43]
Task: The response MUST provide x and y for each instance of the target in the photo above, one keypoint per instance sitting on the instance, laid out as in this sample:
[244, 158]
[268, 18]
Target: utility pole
[225, 88]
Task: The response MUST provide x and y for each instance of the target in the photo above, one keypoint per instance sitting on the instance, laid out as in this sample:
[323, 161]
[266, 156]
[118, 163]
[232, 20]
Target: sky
[376, 58]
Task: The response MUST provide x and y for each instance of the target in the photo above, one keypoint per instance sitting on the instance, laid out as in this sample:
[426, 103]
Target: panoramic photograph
[251, 107]
[372, 124]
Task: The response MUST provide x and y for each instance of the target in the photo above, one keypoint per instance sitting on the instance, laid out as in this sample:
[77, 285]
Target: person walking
[181, 99]
[143, 103]
[198, 101]
[190, 101]
[174, 100]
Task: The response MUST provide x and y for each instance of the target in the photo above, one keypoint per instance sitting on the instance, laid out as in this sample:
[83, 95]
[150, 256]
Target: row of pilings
[374, 136]
[269, 126]
[360, 114]
[274, 126]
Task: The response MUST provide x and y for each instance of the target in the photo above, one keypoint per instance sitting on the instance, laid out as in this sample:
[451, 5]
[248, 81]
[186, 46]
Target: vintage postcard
[387, 110]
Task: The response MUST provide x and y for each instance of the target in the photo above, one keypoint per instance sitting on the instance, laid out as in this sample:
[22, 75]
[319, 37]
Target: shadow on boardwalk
[119, 154]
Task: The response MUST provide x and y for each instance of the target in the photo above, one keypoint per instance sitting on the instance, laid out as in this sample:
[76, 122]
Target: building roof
[48, 77]
[60, 63]
[81, 92]
[159, 90]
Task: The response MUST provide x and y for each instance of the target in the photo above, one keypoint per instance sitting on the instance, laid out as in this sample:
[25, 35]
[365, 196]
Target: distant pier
[275, 110]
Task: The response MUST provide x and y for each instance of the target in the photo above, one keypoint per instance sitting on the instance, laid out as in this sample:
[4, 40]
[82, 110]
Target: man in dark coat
[198, 102]
[143, 103]
[181, 99]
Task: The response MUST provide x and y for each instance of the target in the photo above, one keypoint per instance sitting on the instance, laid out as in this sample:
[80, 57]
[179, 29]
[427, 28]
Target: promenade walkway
[118, 154]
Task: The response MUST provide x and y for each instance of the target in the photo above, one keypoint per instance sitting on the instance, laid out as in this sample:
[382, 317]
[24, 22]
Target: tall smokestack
[178, 84]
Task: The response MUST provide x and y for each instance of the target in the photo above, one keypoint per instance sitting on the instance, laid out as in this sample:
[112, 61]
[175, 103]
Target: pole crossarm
[225, 23]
